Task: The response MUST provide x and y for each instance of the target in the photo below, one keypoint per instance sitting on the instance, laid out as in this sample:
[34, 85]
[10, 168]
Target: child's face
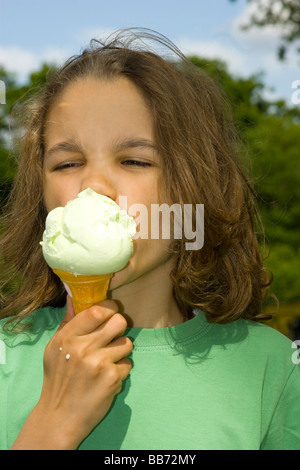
[100, 135]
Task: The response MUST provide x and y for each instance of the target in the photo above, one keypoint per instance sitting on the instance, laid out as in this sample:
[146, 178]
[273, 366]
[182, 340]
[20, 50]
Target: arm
[284, 430]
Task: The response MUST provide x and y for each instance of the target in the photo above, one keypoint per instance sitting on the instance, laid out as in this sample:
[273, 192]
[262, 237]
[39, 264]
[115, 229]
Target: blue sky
[33, 31]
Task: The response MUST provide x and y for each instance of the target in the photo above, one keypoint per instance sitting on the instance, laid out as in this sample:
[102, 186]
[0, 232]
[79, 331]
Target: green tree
[282, 13]
[9, 125]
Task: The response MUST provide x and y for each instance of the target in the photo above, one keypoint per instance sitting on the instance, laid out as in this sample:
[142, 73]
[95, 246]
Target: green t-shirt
[196, 385]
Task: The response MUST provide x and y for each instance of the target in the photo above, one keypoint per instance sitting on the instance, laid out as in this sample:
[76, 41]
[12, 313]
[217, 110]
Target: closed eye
[67, 165]
[137, 163]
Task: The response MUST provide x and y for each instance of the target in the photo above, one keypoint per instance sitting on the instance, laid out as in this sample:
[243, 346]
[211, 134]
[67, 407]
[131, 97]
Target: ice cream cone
[86, 290]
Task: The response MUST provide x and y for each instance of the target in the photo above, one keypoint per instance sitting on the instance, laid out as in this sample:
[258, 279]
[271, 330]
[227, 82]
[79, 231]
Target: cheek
[50, 195]
[56, 195]
[150, 249]
[147, 256]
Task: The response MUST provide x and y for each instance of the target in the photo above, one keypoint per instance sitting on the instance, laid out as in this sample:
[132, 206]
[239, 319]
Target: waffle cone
[86, 290]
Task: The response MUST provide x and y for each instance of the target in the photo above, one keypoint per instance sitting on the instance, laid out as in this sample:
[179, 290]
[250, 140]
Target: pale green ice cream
[91, 235]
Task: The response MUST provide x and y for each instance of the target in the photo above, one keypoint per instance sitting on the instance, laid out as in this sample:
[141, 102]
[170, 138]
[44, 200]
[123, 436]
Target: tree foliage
[9, 125]
[282, 13]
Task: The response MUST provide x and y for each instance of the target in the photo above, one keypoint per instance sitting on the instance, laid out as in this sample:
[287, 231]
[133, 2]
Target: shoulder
[260, 336]
[267, 333]
[21, 352]
[42, 322]
[256, 345]
[276, 353]
[251, 334]
[265, 338]
[270, 344]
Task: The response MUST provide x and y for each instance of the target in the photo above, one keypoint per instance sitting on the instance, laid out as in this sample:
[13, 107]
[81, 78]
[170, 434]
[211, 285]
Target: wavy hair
[201, 156]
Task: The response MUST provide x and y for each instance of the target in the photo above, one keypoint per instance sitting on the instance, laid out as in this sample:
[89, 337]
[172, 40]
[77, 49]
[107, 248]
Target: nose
[100, 181]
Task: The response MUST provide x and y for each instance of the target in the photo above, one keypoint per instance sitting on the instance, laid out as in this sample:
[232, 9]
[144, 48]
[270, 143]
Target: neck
[148, 302]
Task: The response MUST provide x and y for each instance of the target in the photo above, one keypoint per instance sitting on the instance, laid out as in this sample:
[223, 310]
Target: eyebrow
[134, 143]
[72, 146]
[67, 146]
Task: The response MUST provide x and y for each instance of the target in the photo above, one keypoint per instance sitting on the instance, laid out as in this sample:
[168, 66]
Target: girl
[176, 358]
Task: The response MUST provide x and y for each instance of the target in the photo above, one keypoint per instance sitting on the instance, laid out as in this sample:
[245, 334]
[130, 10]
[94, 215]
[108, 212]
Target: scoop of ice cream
[91, 235]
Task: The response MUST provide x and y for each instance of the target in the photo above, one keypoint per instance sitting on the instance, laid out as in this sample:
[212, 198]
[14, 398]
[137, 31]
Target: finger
[112, 328]
[124, 367]
[90, 319]
[119, 349]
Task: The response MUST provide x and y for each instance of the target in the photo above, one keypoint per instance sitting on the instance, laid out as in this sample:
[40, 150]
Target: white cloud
[55, 55]
[258, 10]
[249, 52]
[18, 60]
[22, 62]
[245, 52]
[213, 50]
[262, 41]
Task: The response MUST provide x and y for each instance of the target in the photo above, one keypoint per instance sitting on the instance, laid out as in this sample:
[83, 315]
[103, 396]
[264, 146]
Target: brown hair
[200, 152]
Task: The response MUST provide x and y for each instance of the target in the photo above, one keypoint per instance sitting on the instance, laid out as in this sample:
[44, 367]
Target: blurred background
[252, 47]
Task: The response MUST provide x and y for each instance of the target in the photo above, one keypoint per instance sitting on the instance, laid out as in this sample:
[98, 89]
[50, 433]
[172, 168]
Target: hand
[78, 392]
